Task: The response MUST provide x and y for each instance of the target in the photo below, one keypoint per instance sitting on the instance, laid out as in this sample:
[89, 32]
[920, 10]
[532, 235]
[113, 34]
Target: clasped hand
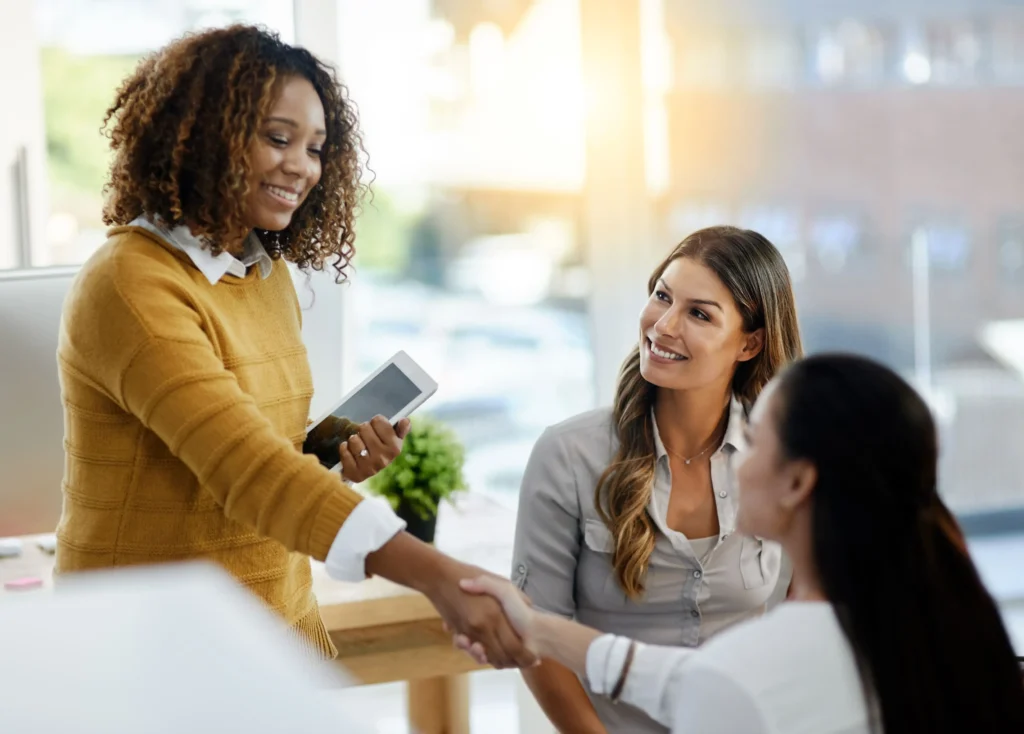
[500, 632]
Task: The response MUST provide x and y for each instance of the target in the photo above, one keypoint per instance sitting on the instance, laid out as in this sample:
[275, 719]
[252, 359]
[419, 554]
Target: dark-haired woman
[889, 629]
[627, 515]
[185, 383]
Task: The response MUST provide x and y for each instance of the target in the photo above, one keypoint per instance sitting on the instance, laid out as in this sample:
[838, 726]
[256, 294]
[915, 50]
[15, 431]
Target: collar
[214, 268]
[733, 438]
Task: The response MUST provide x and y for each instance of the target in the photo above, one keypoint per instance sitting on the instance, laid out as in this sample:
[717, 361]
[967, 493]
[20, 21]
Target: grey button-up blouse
[694, 587]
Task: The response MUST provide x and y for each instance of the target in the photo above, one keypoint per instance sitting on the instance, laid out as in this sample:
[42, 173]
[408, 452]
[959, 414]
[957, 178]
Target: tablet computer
[394, 390]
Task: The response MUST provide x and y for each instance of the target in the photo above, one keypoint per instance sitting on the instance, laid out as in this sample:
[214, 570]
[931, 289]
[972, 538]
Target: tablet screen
[386, 394]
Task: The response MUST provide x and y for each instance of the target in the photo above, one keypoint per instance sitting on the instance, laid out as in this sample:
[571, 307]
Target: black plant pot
[416, 525]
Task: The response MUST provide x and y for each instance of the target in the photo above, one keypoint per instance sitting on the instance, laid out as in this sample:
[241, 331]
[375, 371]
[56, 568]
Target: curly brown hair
[181, 128]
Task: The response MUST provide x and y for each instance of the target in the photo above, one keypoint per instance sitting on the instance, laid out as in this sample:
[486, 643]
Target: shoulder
[582, 445]
[587, 433]
[130, 285]
[128, 266]
[568, 455]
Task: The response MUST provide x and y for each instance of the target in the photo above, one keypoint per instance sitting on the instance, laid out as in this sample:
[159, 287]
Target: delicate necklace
[712, 442]
[692, 458]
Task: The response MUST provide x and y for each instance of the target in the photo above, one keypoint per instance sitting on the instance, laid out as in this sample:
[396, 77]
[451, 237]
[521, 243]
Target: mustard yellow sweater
[185, 408]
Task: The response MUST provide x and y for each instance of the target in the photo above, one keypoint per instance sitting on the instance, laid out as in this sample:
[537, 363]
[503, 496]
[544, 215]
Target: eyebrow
[698, 301]
[707, 302]
[291, 123]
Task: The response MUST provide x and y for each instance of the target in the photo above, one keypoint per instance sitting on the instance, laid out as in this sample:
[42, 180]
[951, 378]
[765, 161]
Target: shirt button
[694, 613]
[522, 568]
[722, 494]
[697, 574]
[725, 536]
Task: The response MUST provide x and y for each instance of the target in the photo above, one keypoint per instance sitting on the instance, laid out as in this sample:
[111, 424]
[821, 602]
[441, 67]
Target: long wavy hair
[756, 275]
[181, 126]
[928, 639]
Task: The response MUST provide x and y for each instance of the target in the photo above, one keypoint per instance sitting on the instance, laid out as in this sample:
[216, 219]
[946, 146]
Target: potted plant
[428, 470]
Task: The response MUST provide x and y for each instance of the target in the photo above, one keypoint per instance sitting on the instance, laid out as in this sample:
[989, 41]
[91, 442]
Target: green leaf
[428, 471]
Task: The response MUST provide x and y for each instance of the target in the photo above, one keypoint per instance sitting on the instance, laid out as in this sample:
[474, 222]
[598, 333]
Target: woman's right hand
[521, 616]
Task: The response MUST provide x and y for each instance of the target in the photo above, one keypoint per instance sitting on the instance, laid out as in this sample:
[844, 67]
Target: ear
[752, 346]
[803, 478]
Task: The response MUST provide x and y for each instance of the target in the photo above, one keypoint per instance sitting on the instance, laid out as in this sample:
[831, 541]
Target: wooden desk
[383, 632]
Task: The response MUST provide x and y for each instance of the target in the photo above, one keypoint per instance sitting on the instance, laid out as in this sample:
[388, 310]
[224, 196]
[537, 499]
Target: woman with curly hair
[185, 383]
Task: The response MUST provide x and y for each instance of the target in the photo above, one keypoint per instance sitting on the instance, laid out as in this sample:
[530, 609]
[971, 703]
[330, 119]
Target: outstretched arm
[643, 677]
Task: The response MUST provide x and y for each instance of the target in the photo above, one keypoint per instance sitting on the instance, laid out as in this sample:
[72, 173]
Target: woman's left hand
[374, 447]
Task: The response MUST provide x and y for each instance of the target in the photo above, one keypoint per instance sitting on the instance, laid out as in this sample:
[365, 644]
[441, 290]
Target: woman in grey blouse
[627, 515]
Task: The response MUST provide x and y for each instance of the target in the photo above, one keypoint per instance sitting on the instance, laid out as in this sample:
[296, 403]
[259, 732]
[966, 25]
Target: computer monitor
[31, 420]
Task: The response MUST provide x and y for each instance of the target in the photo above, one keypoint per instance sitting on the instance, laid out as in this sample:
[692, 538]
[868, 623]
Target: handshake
[489, 618]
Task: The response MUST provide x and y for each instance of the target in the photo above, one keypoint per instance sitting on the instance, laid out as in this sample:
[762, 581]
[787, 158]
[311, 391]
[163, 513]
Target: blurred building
[839, 130]
[843, 131]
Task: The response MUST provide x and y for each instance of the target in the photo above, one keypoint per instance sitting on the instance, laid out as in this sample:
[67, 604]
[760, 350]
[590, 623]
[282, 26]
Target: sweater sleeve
[182, 392]
[132, 330]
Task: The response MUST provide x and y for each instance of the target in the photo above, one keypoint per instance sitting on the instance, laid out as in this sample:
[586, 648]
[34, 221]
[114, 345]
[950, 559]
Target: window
[849, 52]
[837, 240]
[469, 254]
[948, 244]
[781, 225]
[955, 52]
[1010, 253]
[1008, 50]
[875, 140]
[773, 58]
[706, 60]
[97, 43]
[689, 216]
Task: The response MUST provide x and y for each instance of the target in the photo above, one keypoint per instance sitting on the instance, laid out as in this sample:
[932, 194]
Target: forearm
[409, 562]
[644, 686]
[183, 394]
[562, 698]
[564, 641]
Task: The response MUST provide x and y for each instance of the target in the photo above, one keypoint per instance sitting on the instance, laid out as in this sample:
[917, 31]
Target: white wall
[318, 28]
[21, 125]
[323, 304]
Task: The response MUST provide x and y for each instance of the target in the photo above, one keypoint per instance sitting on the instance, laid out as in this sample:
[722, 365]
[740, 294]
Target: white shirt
[789, 672]
[372, 523]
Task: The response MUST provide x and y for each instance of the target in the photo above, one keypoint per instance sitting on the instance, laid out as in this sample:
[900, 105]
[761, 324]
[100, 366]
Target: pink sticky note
[23, 584]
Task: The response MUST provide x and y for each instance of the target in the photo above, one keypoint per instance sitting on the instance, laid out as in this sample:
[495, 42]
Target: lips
[664, 353]
[284, 194]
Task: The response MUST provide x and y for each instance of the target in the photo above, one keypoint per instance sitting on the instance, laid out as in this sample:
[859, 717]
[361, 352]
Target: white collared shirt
[789, 672]
[214, 267]
[372, 523]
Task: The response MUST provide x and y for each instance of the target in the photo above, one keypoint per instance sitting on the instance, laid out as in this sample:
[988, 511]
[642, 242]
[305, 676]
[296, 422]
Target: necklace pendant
[687, 462]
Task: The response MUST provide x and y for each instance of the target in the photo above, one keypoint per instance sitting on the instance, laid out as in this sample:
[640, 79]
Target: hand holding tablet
[376, 445]
[364, 431]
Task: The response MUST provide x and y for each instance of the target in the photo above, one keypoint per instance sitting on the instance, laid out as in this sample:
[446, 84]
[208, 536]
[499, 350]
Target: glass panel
[96, 43]
[469, 253]
[889, 176]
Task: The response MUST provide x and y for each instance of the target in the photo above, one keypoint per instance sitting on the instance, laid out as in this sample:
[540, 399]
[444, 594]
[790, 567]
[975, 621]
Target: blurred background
[533, 159]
